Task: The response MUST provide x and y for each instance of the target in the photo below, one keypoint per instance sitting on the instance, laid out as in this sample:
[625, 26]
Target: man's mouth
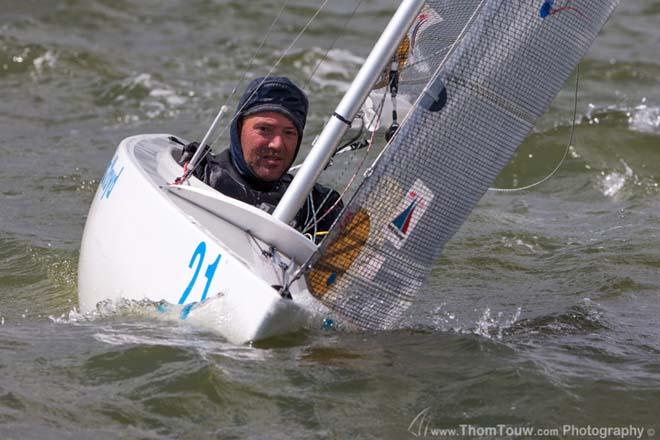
[272, 160]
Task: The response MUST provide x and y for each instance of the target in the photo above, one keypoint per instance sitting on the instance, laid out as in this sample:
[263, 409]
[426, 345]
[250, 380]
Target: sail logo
[402, 222]
[427, 18]
[548, 8]
[408, 213]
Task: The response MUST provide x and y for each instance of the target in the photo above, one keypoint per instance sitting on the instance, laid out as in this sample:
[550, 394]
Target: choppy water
[543, 311]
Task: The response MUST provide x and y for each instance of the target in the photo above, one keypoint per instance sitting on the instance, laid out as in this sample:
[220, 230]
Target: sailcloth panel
[493, 72]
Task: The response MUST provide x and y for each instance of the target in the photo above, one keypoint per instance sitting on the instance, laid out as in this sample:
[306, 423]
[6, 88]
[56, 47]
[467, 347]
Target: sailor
[265, 136]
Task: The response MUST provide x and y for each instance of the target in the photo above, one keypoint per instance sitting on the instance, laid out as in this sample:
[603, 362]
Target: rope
[566, 150]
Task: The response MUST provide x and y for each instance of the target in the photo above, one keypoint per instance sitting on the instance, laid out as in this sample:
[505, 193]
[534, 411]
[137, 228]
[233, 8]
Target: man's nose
[277, 141]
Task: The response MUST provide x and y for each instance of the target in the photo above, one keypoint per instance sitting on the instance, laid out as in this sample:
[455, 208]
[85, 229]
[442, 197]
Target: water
[542, 312]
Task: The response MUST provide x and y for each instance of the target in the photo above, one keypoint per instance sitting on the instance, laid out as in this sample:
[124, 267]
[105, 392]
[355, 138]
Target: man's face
[269, 141]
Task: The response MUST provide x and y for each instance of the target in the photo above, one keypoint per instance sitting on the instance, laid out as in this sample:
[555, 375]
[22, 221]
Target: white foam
[47, 60]
[518, 244]
[612, 183]
[162, 100]
[644, 118]
[490, 327]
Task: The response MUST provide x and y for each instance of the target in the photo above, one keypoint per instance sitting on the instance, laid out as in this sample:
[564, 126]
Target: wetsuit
[220, 173]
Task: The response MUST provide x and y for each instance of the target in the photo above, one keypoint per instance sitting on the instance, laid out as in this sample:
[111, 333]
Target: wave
[613, 147]
[34, 281]
[641, 118]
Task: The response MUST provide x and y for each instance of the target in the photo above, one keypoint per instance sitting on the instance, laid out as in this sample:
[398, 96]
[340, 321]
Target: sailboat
[476, 75]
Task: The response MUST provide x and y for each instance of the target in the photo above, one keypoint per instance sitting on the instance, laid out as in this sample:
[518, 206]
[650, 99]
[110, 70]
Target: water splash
[487, 325]
[644, 118]
[43, 62]
[109, 309]
[494, 327]
[612, 183]
[212, 315]
[519, 244]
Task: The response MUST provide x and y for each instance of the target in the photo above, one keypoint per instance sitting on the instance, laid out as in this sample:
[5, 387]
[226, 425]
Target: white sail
[483, 72]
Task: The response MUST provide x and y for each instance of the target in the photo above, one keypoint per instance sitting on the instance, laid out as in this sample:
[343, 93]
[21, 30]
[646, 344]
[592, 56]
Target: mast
[340, 121]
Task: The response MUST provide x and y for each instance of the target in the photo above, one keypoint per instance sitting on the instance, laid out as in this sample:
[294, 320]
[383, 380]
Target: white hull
[145, 239]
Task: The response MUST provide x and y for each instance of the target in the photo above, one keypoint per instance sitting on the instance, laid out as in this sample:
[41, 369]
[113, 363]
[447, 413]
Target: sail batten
[493, 68]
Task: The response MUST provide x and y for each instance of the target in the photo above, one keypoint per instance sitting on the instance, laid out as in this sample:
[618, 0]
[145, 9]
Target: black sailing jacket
[220, 173]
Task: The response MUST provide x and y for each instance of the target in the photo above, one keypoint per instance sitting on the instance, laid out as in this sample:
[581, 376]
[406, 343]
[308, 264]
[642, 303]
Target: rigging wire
[350, 145]
[189, 167]
[277, 63]
[370, 143]
[256, 52]
[314, 221]
[350, 183]
[316, 68]
[566, 150]
[332, 45]
[286, 52]
[392, 87]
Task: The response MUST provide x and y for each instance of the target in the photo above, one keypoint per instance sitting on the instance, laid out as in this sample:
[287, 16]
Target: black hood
[271, 94]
